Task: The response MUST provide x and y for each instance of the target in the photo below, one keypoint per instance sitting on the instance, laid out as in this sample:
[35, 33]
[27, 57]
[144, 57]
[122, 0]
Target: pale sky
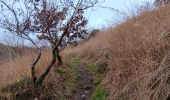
[101, 17]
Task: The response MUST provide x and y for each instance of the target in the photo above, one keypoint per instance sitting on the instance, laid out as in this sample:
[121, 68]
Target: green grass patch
[97, 72]
[92, 68]
[69, 75]
[99, 94]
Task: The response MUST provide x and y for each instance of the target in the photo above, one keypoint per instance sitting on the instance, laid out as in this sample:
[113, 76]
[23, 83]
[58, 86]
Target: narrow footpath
[85, 85]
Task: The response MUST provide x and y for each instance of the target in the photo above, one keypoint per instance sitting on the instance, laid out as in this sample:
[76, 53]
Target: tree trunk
[56, 55]
[34, 77]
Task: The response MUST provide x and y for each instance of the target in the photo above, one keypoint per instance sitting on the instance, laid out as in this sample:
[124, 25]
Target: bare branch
[58, 25]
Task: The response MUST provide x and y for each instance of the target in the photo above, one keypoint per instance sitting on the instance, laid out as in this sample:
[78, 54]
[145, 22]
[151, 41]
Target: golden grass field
[14, 70]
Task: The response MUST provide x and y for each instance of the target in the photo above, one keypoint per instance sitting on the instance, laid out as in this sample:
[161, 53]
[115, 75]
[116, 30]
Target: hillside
[128, 62]
[137, 54]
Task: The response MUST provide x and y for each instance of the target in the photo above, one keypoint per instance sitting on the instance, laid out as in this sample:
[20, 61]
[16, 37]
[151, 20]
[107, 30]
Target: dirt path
[84, 85]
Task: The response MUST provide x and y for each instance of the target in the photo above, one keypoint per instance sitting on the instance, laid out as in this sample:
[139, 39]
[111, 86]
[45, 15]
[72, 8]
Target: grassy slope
[137, 52]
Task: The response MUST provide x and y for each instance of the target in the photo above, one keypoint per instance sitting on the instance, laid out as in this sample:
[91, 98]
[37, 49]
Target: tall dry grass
[138, 54]
[18, 68]
[137, 51]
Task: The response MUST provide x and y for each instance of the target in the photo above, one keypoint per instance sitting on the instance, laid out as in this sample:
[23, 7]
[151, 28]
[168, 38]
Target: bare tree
[59, 22]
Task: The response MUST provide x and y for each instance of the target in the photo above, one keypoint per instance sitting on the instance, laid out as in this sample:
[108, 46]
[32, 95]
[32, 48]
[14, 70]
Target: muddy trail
[84, 86]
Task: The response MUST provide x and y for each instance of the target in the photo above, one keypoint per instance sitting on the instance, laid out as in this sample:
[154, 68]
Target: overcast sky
[102, 17]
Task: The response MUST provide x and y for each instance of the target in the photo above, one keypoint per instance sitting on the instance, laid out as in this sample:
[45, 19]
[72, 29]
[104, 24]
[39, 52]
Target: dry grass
[137, 52]
[20, 67]
[138, 55]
